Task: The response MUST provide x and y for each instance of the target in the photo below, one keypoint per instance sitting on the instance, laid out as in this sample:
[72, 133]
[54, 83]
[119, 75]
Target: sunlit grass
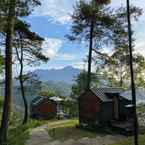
[63, 130]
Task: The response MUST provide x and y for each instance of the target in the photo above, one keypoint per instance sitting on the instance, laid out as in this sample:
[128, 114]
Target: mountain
[58, 80]
[66, 74]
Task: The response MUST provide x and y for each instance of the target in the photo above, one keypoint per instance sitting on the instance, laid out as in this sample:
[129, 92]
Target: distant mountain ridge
[66, 74]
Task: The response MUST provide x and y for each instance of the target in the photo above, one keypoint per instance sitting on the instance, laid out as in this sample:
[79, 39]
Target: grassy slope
[19, 133]
[66, 129]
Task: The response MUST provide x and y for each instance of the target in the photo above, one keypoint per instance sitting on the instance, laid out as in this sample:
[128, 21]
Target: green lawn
[62, 130]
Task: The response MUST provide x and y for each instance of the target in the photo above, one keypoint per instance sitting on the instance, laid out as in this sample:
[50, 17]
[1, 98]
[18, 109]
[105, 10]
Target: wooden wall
[89, 106]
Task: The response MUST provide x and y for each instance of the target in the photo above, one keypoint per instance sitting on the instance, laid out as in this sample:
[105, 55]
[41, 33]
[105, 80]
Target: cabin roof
[102, 93]
[39, 100]
[140, 95]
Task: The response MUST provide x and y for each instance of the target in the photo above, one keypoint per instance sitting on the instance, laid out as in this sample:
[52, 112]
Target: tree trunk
[132, 76]
[8, 73]
[20, 58]
[90, 55]
[25, 119]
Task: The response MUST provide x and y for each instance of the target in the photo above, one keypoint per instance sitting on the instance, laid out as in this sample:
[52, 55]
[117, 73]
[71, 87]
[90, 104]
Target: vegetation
[28, 52]
[47, 93]
[112, 70]
[62, 130]
[20, 133]
[8, 71]
[94, 23]
[91, 23]
[129, 141]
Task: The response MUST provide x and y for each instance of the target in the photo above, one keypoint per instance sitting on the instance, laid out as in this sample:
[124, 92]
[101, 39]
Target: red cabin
[43, 108]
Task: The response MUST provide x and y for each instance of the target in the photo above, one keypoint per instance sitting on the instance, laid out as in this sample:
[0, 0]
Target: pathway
[39, 136]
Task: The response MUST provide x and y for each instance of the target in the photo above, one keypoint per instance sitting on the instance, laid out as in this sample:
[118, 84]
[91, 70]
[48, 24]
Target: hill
[65, 74]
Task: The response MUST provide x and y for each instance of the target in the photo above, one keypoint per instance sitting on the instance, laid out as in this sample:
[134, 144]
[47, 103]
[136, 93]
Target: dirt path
[39, 136]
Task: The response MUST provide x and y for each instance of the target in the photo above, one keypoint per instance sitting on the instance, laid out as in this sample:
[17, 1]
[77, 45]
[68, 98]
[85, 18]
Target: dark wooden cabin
[43, 108]
[102, 106]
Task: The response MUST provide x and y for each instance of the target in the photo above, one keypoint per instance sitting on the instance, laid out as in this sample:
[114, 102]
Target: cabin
[102, 106]
[43, 108]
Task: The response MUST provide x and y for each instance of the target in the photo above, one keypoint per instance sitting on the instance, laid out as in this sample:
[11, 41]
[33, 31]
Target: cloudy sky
[52, 21]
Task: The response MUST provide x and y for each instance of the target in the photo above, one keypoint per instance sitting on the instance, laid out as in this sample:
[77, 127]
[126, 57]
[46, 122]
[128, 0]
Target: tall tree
[115, 66]
[28, 51]
[9, 11]
[91, 23]
[8, 71]
[130, 40]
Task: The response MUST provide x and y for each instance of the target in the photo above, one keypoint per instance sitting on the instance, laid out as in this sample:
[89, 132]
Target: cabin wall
[122, 109]
[44, 110]
[106, 112]
[89, 107]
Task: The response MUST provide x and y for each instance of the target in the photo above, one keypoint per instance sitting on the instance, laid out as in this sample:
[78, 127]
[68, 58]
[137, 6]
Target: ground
[65, 132]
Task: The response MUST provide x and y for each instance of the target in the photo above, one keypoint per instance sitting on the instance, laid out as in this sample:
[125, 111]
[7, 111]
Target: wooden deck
[125, 127]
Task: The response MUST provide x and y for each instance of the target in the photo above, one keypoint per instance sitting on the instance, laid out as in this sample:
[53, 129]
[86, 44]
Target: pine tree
[91, 22]
[28, 52]
[8, 72]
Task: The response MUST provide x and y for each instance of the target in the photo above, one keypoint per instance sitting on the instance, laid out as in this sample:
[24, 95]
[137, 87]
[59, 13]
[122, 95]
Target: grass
[19, 134]
[62, 130]
[129, 141]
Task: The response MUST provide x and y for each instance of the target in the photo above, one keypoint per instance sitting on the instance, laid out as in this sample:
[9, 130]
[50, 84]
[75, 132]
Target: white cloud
[51, 47]
[80, 65]
[65, 57]
[58, 10]
[84, 66]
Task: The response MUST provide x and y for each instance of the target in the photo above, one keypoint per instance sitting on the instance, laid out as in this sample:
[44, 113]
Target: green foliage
[81, 83]
[70, 107]
[18, 134]
[141, 108]
[59, 88]
[115, 67]
[47, 93]
[86, 12]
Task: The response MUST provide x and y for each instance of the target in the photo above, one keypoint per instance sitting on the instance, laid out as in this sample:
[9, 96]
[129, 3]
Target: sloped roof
[39, 100]
[140, 95]
[55, 98]
[102, 93]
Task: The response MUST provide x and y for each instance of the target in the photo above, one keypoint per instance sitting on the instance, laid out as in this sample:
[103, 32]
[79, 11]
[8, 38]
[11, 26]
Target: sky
[52, 21]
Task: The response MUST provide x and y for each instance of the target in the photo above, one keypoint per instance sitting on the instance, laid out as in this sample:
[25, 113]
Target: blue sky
[52, 21]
